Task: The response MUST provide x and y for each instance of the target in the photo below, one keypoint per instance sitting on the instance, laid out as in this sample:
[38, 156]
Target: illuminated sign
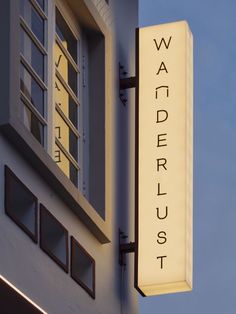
[163, 236]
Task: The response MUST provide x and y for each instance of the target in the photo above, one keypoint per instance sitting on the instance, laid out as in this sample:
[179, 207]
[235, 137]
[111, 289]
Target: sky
[213, 24]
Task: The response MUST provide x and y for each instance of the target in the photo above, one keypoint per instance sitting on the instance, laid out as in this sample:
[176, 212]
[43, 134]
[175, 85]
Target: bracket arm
[129, 82]
[124, 249]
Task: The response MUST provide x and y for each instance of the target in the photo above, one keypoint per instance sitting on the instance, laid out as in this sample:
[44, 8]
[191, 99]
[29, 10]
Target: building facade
[66, 156]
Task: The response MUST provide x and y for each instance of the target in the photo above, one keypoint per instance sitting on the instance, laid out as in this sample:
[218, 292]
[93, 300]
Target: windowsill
[38, 158]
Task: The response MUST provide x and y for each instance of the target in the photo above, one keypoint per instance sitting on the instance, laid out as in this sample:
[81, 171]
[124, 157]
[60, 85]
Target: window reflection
[65, 165]
[66, 136]
[32, 54]
[33, 19]
[66, 109]
[32, 123]
[65, 68]
[32, 90]
[66, 36]
[66, 103]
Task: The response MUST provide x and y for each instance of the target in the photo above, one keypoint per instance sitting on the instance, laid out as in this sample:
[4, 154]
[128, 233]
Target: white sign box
[163, 253]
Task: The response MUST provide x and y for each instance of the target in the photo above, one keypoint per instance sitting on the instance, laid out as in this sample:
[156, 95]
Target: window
[67, 138]
[54, 99]
[62, 138]
[21, 204]
[53, 238]
[33, 54]
[82, 267]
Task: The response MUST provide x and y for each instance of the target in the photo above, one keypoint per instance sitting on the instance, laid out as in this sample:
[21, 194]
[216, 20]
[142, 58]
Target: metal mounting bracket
[124, 248]
[125, 83]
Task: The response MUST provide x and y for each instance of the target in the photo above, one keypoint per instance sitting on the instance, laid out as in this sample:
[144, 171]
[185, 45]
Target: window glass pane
[66, 103]
[73, 112]
[62, 161]
[66, 166]
[32, 123]
[73, 174]
[32, 90]
[33, 19]
[68, 39]
[65, 135]
[65, 69]
[32, 54]
[41, 3]
[73, 145]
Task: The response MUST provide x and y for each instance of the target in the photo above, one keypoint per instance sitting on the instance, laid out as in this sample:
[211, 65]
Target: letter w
[158, 46]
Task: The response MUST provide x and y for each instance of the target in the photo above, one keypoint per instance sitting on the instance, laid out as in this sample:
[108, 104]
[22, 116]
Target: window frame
[43, 241]
[13, 129]
[75, 245]
[10, 177]
[41, 82]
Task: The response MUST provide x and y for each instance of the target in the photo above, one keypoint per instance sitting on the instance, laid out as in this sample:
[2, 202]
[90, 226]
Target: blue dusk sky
[213, 24]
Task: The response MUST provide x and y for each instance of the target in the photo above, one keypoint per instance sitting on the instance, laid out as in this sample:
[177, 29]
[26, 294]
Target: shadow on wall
[127, 13]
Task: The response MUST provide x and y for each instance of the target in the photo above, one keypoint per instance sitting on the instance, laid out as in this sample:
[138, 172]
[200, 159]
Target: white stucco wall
[22, 261]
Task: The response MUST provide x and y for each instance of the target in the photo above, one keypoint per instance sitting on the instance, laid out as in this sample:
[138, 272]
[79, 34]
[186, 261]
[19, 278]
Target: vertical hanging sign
[163, 258]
